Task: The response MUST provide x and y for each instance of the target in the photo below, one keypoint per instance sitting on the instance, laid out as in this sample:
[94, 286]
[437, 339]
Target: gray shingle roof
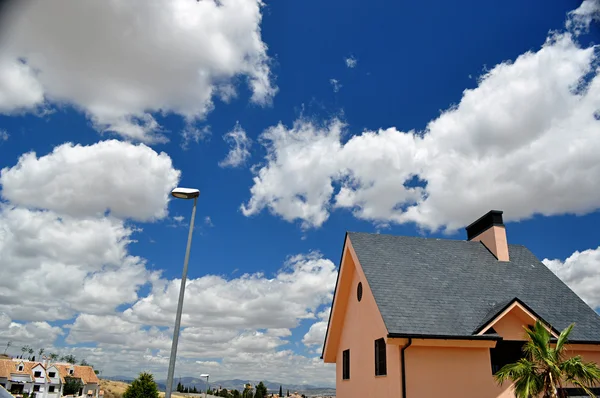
[443, 287]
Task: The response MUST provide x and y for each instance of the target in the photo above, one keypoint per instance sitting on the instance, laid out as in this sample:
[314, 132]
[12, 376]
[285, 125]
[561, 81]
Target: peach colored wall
[495, 240]
[510, 326]
[451, 373]
[363, 324]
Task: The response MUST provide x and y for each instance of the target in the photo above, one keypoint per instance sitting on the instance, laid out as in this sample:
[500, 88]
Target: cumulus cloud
[130, 181]
[581, 272]
[42, 333]
[250, 301]
[129, 60]
[239, 144]
[316, 334]
[580, 19]
[524, 140]
[72, 265]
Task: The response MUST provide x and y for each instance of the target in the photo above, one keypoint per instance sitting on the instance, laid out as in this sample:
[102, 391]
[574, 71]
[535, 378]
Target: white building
[46, 380]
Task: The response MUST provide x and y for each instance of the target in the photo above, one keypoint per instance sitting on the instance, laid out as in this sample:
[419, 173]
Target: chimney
[490, 231]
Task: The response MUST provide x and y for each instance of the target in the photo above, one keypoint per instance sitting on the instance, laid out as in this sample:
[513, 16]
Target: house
[417, 317]
[46, 380]
[19, 376]
[89, 381]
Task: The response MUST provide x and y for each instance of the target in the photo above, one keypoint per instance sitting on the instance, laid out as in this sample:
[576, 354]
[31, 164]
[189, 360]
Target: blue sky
[297, 121]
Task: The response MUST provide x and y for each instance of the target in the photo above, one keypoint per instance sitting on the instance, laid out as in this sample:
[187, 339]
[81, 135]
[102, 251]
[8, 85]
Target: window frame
[346, 364]
[36, 388]
[51, 374]
[51, 388]
[37, 374]
[380, 357]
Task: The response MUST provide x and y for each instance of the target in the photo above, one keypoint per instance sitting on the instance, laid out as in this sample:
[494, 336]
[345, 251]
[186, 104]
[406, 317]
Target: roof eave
[334, 294]
[442, 336]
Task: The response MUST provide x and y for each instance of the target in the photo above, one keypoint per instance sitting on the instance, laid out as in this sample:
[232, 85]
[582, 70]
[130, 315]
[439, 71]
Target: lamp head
[185, 193]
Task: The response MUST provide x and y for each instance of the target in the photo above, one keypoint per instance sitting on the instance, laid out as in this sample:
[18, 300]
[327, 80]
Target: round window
[359, 291]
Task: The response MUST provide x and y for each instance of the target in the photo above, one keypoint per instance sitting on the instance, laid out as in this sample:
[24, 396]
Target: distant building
[46, 380]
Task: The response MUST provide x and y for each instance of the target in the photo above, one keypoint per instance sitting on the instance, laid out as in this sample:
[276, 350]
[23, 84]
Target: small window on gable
[37, 374]
[380, 358]
[20, 368]
[346, 365]
[359, 291]
[70, 371]
[51, 374]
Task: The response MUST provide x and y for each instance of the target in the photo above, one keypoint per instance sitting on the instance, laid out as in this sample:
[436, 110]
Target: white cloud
[4, 135]
[316, 334]
[19, 88]
[580, 19]
[40, 333]
[335, 84]
[250, 301]
[208, 221]
[131, 59]
[191, 133]
[239, 151]
[524, 141]
[131, 181]
[307, 151]
[581, 272]
[54, 267]
[351, 62]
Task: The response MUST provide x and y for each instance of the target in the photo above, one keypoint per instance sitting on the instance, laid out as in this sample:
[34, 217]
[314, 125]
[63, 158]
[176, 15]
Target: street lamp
[181, 193]
[207, 385]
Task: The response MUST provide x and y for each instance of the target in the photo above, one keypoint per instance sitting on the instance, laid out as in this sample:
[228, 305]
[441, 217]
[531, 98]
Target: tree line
[145, 387]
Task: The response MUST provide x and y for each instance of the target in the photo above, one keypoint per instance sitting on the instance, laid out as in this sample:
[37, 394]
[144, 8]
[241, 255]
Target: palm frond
[562, 340]
[524, 374]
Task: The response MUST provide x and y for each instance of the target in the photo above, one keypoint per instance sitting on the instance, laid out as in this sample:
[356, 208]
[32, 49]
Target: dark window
[3, 385]
[20, 368]
[37, 374]
[576, 392]
[380, 358]
[51, 388]
[70, 371]
[51, 374]
[504, 353]
[36, 388]
[359, 291]
[346, 365]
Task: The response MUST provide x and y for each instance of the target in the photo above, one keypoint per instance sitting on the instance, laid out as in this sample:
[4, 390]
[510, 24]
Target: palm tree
[7, 345]
[24, 349]
[546, 369]
[53, 356]
[41, 352]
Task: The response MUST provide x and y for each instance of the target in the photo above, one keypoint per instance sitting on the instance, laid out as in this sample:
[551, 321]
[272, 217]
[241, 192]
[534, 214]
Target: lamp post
[207, 385]
[181, 193]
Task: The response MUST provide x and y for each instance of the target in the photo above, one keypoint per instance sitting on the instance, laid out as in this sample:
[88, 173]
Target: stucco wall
[362, 326]
[451, 373]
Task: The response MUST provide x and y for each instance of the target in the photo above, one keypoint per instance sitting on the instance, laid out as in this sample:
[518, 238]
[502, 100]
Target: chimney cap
[483, 223]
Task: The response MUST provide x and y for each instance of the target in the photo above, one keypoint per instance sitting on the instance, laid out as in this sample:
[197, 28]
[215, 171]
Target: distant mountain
[238, 384]
[126, 379]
